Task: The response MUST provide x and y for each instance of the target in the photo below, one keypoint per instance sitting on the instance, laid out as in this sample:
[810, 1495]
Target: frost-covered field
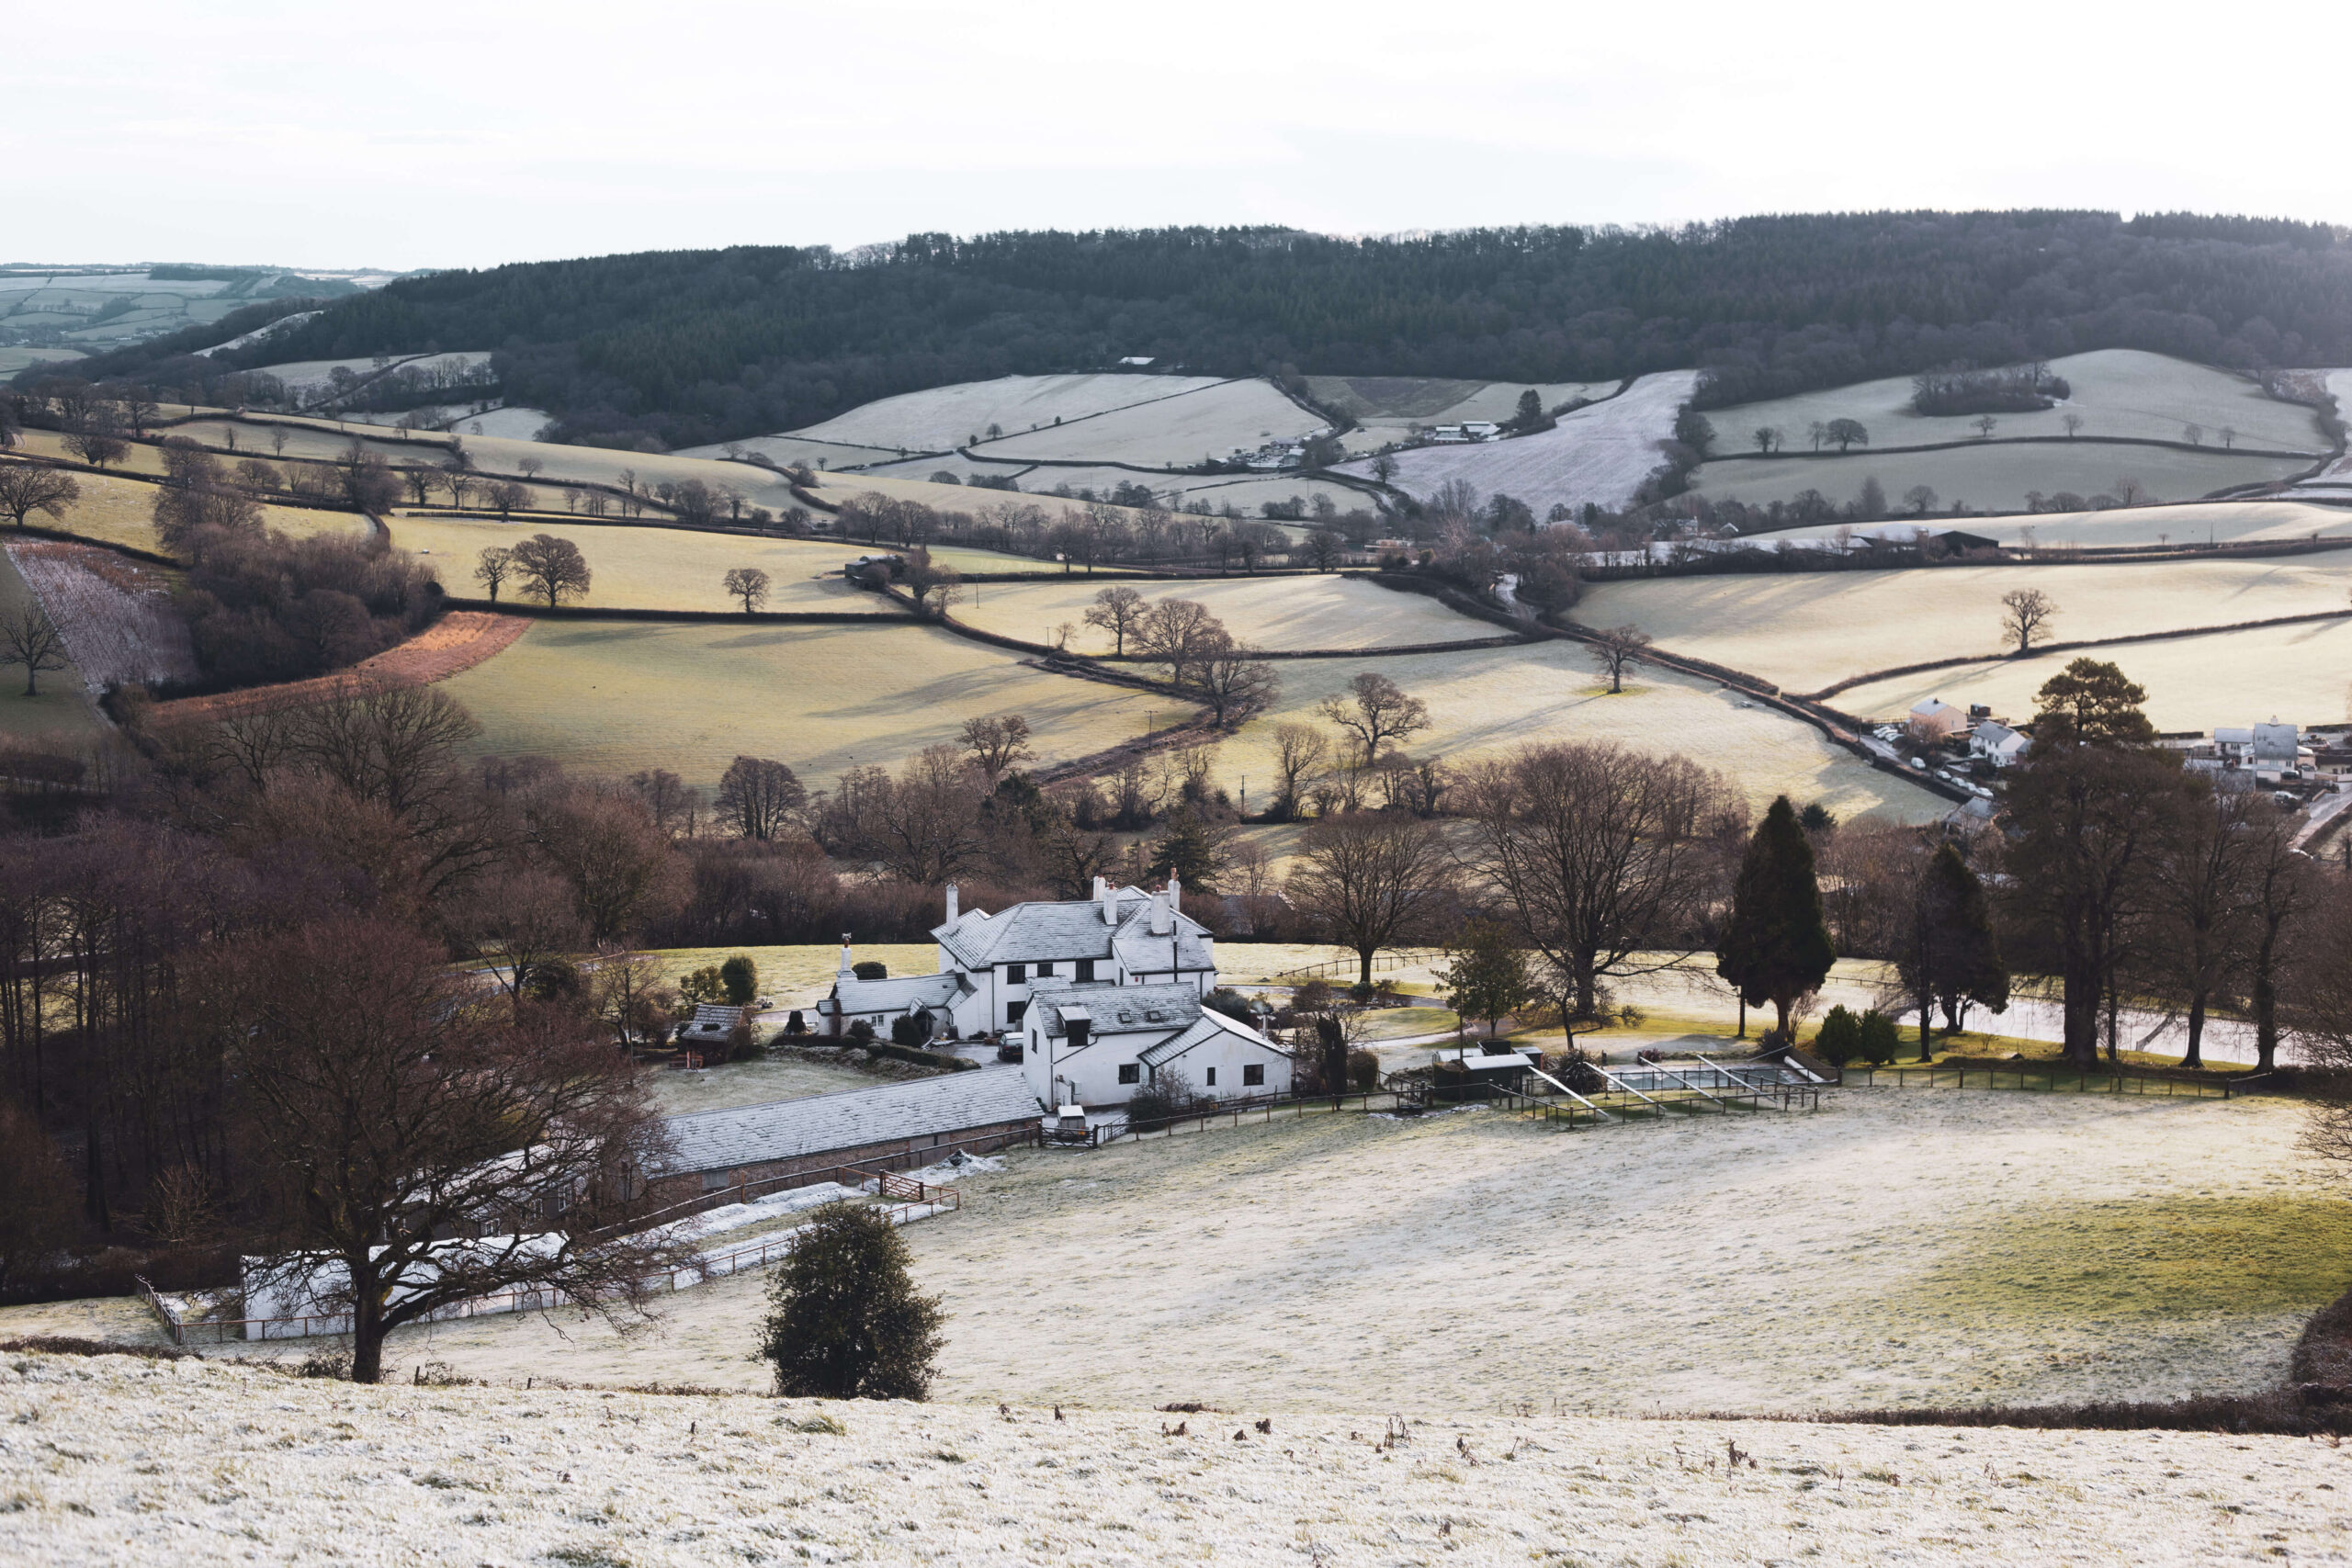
[2294, 673]
[115, 614]
[1486, 700]
[1994, 476]
[2116, 392]
[1387, 408]
[2209, 522]
[1599, 454]
[1808, 630]
[943, 417]
[119, 1462]
[1274, 612]
[1169, 431]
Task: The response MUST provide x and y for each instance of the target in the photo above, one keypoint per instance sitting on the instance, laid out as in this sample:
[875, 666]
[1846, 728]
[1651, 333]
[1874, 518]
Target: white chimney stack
[1161, 925]
[845, 972]
[1176, 894]
[951, 903]
[1105, 897]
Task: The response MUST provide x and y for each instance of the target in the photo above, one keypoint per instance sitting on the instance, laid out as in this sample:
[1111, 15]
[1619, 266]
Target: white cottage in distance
[989, 964]
[1105, 994]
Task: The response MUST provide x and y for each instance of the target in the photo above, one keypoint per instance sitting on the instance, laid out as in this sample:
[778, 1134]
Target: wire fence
[2045, 1079]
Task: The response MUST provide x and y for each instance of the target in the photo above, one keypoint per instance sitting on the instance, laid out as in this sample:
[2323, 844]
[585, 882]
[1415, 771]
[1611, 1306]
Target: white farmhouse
[989, 964]
[1997, 743]
[1935, 718]
[1096, 1047]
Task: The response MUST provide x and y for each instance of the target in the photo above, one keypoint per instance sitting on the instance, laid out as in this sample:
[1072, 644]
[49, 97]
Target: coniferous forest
[690, 347]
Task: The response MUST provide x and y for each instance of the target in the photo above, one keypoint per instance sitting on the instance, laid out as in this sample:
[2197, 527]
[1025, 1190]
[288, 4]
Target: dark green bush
[740, 979]
[1840, 1039]
[871, 969]
[844, 1321]
[1876, 1038]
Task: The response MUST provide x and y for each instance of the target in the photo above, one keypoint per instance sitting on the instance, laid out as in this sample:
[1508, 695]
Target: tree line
[682, 348]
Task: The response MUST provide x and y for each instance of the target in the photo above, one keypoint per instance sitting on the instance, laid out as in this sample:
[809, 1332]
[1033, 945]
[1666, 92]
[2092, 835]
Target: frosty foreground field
[122, 1461]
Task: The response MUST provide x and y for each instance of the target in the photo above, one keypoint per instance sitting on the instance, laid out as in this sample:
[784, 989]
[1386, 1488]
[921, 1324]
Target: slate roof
[1210, 1024]
[896, 993]
[788, 1129]
[1065, 928]
[1119, 1010]
[714, 1019]
[1140, 952]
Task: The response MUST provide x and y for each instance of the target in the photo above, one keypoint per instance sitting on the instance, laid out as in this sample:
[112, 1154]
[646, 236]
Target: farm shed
[753, 1142]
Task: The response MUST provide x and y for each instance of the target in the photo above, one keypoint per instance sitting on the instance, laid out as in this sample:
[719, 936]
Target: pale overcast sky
[336, 135]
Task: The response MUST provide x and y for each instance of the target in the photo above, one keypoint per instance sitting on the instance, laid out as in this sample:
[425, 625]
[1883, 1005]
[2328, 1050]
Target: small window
[1014, 974]
[1086, 968]
[1012, 1011]
[1046, 970]
[1212, 1078]
[1253, 1075]
[1131, 1072]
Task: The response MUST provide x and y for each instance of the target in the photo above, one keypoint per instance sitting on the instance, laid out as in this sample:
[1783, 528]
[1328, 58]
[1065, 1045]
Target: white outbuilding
[1097, 1046]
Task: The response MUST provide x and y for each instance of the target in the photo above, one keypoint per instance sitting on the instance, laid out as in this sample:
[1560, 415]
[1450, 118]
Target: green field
[1805, 631]
[614, 697]
[1274, 612]
[650, 568]
[2116, 392]
[1991, 476]
[114, 511]
[2127, 527]
[2297, 674]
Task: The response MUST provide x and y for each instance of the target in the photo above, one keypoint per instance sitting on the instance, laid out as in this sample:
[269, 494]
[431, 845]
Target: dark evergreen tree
[1776, 946]
[1949, 956]
[845, 1320]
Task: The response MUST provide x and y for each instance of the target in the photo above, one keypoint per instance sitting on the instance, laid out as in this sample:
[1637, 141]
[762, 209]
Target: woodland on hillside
[685, 347]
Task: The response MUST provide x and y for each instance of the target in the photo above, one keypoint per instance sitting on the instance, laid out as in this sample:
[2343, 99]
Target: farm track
[457, 642]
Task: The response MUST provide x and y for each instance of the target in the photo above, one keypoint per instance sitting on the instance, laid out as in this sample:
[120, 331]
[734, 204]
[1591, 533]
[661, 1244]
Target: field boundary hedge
[2009, 441]
[1863, 680]
[593, 612]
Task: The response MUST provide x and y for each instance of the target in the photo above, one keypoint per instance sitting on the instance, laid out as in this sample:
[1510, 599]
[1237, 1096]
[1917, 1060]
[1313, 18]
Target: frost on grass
[115, 614]
[112, 1459]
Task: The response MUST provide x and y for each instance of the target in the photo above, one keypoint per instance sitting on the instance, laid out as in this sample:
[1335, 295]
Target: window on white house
[1045, 969]
[1253, 1075]
[1086, 968]
[1012, 1011]
[1131, 1072]
[1212, 1078]
[1014, 974]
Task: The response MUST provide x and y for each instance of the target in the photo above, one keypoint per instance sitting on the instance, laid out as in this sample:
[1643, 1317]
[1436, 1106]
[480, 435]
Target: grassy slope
[614, 697]
[1489, 700]
[1806, 631]
[651, 569]
[2293, 673]
[2117, 391]
[1994, 475]
[947, 417]
[116, 511]
[1277, 613]
[2211, 522]
[1174, 432]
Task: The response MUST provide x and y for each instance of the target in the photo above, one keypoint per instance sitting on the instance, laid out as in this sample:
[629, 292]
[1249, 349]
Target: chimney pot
[1108, 899]
[951, 903]
[1176, 894]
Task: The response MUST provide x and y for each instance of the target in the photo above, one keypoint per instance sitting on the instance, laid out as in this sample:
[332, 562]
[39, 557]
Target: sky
[344, 136]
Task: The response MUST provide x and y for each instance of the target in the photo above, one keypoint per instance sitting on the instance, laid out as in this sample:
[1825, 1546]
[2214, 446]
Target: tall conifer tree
[1776, 946]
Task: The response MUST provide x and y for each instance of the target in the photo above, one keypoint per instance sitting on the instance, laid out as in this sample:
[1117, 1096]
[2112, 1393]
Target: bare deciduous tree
[2073, 423]
[551, 566]
[26, 487]
[748, 583]
[1178, 632]
[493, 567]
[1372, 880]
[1602, 858]
[1299, 749]
[1117, 611]
[1618, 650]
[392, 1112]
[28, 637]
[998, 743]
[761, 797]
[2026, 614]
[1377, 711]
[1237, 683]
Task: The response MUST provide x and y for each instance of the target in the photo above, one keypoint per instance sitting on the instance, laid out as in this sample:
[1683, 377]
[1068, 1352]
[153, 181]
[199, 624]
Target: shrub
[1231, 1003]
[1841, 1037]
[1363, 1070]
[910, 1029]
[796, 1024]
[1876, 1038]
[844, 1321]
[1158, 1102]
[871, 969]
[703, 985]
[740, 979]
[741, 1045]
[862, 1031]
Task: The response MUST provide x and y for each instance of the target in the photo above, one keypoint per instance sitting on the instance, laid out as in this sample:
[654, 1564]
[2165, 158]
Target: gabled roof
[897, 993]
[1027, 934]
[1185, 946]
[1117, 1009]
[788, 1129]
[1211, 1025]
